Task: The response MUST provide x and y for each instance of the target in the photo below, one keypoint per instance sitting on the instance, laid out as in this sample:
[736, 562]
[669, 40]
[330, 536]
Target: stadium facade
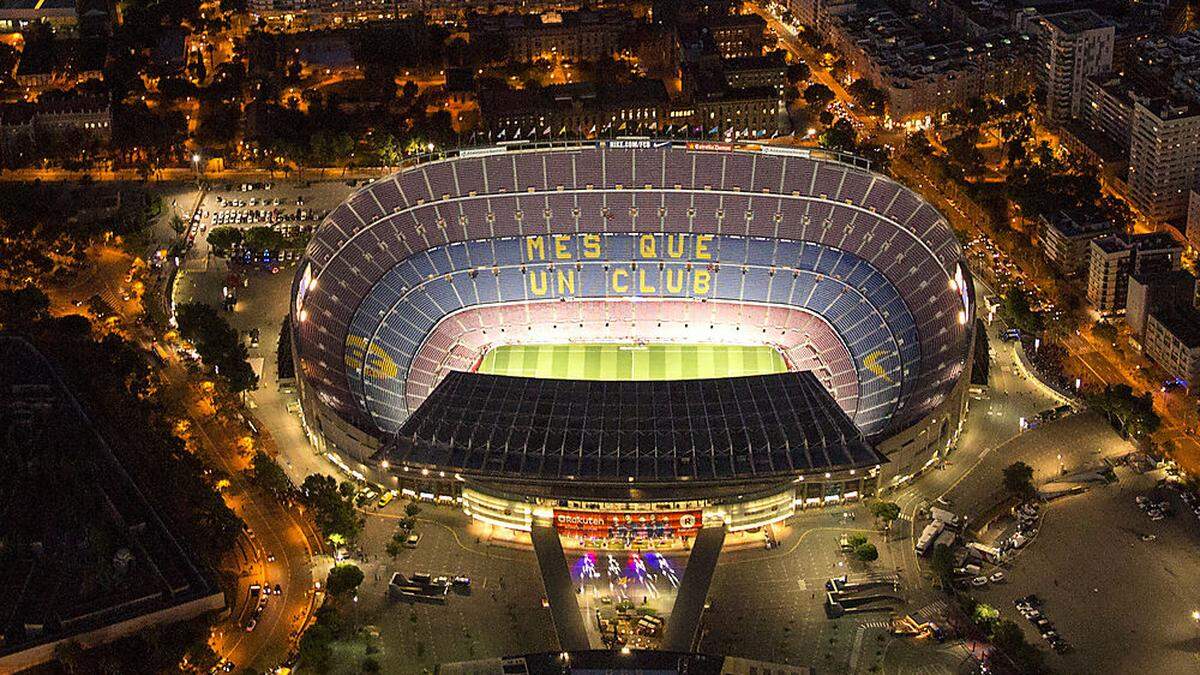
[853, 278]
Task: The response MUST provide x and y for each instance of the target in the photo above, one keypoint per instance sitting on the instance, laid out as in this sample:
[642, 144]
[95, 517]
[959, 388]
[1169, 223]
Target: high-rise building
[1151, 292]
[1164, 156]
[1173, 341]
[1192, 232]
[1074, 45]
[1114, 258]
[1064, 237]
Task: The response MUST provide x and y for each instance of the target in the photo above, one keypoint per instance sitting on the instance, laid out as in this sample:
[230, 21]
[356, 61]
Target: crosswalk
[932, 611]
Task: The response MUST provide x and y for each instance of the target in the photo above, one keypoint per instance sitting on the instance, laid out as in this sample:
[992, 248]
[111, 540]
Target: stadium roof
[744, 428]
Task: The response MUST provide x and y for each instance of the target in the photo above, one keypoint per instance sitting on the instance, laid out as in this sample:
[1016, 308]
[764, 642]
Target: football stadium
[633, 337]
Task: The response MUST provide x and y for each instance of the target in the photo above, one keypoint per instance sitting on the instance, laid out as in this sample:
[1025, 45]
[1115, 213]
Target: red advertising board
[627, 524]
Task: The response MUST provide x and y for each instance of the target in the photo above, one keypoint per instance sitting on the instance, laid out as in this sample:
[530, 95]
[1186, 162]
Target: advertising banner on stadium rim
[627, 525]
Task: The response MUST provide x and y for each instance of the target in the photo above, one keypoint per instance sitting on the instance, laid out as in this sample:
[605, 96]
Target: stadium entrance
[628, 528]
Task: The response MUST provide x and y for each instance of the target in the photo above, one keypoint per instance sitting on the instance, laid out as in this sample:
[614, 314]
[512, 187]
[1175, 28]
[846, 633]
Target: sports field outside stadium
[632, 362]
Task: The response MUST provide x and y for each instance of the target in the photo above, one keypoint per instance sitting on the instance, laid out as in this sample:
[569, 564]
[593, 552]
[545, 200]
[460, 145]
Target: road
[280, 533]
[1097, 362]
[274, 531]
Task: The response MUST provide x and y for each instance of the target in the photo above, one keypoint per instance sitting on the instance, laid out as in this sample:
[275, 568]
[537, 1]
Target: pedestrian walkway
[933, 610]
[878, 623]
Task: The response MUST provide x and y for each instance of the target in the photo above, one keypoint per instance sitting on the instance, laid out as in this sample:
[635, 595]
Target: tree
[840, 136]
[1009, 639]
[885, 511]
[343, 579]
[868, 96]
[1018, 480]
[1017, 312]
[818, 95]
[224, 239]
[985, 616]
[866, 552]
[22, 306]
[798, 72]
[395, 545]
[856, 540]
[1105, 331]
[411, 509]
[315, 646]
[1131, 414]
[217, 344]
[333, 509]
[268, 475]
[941, 561]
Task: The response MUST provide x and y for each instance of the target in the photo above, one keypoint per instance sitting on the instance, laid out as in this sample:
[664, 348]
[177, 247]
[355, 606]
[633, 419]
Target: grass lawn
[632, 362]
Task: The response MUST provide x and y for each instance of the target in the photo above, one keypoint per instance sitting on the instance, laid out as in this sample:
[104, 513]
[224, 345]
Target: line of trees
[218, 344]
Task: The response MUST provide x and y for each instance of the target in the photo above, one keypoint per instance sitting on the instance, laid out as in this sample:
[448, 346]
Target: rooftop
[1077, 21]
[1078, 222]
[1181, 321]
[1170, 108]
[750, 428]
[90, 553]
[1150, 241]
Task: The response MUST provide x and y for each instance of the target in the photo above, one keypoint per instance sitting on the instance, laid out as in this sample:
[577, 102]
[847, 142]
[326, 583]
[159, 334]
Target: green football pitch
[631, 362]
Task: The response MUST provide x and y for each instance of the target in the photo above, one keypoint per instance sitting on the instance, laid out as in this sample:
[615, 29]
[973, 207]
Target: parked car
[979, 581]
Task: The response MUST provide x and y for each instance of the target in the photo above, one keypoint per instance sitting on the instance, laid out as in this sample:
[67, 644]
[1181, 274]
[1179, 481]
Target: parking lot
[501, 614]
[770, 604]
[1124, 603]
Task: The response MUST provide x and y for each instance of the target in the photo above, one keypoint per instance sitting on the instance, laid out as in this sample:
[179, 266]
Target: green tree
[217, 343]
[798, 72]
[868, 96]
[395, 545]
[1018, 480]
[1105, 331]
[224, 239]
[818, 95]
[411, 509]
[885, 511]
[332, 507]
[1009, 639]
[1017, 311]
[866, 552]
[941, 562]
[856, 540]
[985, 616]
[23, 306]
[840, 136]
[343, 579]
[268, 475]
[315, 647]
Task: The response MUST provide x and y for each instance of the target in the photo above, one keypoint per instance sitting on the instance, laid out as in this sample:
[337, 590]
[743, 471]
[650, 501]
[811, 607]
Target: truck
[984, 552]
[946, 538]
[928, 536]
[947, 518]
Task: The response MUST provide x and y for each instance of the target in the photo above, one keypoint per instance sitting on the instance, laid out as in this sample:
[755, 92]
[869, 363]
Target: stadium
[633, 337]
